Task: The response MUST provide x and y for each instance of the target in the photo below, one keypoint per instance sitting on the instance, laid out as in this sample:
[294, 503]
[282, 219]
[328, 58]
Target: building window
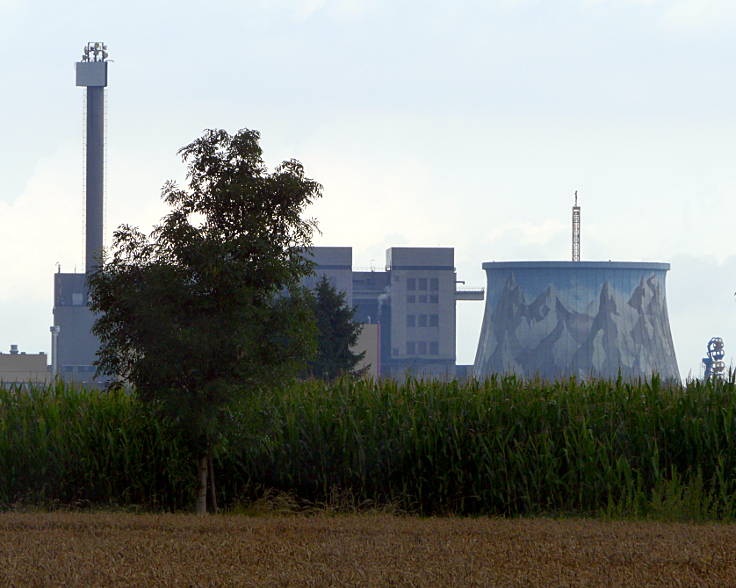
[434, 284]
[434, 299]
[77, 299]
[411, 299]
[411, 348]
[395, 351]
[411, 320]
[422, 348]
[422, 320]
[411, 284]
[434, 320]
[434, 348]
[423, 298]
[422, 283]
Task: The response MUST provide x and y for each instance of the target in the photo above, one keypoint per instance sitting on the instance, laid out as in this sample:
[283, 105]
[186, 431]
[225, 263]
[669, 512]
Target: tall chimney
[92, 74]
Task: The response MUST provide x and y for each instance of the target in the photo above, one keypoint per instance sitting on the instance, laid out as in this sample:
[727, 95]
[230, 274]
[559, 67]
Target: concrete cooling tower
[556, 319]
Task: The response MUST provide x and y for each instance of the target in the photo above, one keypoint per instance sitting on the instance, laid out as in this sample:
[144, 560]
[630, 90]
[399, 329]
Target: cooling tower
[556, 319]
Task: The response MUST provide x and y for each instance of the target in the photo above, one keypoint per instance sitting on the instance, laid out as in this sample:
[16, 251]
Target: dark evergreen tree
[194, 315]
[336, 334]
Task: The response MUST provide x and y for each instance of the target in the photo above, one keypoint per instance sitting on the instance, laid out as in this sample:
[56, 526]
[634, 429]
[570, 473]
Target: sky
[466, 124]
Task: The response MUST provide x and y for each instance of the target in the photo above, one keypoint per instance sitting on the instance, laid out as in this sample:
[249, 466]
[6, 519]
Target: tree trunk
[213, 494]
[202, 494]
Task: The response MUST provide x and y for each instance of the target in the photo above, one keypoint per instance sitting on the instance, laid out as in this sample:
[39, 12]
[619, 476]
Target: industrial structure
[556, 319]
[549, 318]
[408, 309]
[576, 229]
[18, 367]
[412, 301]
[714, 364]
[369, 343]
[74, 347]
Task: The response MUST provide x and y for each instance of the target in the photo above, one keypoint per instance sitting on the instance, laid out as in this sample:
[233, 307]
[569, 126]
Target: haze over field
[465, 124]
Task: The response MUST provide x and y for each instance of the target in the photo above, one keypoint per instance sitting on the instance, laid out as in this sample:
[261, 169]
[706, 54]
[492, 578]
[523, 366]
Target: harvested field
[376, 550]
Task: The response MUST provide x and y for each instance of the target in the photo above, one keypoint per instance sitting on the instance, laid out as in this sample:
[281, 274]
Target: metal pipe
[55, 330]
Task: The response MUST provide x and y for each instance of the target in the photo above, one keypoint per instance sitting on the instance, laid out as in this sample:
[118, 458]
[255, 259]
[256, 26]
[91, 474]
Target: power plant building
[555, 319]
[412, 301]
[409, 308]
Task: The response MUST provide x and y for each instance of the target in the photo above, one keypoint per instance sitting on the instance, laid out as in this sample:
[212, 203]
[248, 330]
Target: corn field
[503, 446]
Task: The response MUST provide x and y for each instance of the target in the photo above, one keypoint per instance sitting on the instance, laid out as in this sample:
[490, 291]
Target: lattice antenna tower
[576, 230]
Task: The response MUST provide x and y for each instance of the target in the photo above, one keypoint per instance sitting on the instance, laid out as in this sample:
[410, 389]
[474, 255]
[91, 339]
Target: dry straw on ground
[74, 549]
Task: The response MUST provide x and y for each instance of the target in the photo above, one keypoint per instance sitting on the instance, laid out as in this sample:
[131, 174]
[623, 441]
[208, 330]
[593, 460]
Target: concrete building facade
[76, 347]
[422, 304]
[336, 264]
[369, 342]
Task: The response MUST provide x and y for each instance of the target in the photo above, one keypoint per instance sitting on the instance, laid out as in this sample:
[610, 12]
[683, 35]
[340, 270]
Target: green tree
[207, 308]
[336, 334]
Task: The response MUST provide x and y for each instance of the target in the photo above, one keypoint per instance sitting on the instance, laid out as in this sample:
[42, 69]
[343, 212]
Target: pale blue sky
[464, 124]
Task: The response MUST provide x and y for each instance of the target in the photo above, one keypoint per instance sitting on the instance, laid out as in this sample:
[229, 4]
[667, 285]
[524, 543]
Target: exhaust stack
[92, 74]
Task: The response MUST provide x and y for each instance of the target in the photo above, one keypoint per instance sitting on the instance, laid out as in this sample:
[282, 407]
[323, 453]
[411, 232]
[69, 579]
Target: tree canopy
[337, 333]
[208, 306]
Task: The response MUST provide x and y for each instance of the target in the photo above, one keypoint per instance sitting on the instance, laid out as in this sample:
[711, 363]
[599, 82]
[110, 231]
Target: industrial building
[412, 301]
[18, 367]
[409, 309]
[369, 343]
[74, 347]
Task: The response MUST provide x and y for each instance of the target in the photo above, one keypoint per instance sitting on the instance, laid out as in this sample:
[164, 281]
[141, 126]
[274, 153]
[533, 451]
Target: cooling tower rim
[581, 265]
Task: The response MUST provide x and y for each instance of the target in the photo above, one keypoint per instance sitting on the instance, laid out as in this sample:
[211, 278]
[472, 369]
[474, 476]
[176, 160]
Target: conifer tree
[337, 333]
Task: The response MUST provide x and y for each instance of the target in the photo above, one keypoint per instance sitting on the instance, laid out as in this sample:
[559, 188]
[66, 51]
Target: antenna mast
[576, 230]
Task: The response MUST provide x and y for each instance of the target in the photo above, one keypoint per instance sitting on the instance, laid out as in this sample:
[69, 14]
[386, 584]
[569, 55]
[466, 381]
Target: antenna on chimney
[576, 230]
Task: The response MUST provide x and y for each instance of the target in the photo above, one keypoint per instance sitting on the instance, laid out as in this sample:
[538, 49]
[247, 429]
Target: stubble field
[358, 550]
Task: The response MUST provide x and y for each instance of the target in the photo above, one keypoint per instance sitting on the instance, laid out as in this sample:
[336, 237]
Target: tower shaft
[94, 175]
[92, 74]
